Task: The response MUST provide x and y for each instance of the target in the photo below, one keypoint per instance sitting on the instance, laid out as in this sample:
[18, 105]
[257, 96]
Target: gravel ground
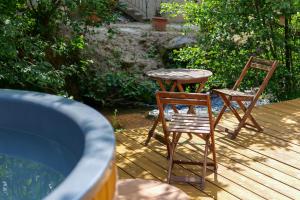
[217, 105]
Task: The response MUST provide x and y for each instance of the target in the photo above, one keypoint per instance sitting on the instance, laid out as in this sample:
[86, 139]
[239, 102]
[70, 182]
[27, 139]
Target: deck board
[253, 166]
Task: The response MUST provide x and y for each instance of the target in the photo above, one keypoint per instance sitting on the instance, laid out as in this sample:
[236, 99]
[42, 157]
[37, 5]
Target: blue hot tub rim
[99, 142]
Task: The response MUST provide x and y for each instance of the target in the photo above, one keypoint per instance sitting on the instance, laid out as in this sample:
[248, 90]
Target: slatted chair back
[201, 125]
[182, 98]
[268, 66]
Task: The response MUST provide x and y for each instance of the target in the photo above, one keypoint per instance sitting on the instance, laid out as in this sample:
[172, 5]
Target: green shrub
[229, 32]
[42, 43]
[118, 88]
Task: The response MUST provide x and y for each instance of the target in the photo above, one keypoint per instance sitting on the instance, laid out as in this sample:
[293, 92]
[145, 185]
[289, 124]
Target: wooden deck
[253, 166]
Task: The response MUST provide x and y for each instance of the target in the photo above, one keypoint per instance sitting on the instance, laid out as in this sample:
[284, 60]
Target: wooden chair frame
[234, 95]
[189, 123]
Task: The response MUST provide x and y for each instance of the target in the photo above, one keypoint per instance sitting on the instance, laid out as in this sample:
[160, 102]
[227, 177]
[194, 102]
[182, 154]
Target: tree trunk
[288, 54]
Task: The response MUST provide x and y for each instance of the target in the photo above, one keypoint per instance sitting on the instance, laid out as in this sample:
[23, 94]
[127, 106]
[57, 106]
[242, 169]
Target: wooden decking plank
[294, 100]
[193, 192]
[275, 116]
[243, 181]
[143, 137]
[253, 160]
[160, 160]
[277, 132]
[224, 159]
[245, 184]
[265, 166]
[295, 103]
[133, 169]
[135, 152]
[123, 175]
[282, 109]
[292, 103]
[274, 127]
[221, 139]
[232, 187]
[285, 119]
[256, 166]
[274, 138]
[157, 158]
[288, 122]
[139, 158]
[254, 185]
[256, 156]
[257, 142]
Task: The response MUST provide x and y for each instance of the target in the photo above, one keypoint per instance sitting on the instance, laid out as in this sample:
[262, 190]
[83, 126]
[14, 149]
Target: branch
[56, 4]
[32, 7]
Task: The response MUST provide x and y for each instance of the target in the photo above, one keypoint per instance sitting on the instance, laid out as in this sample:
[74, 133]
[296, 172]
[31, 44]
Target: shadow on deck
[253, 166]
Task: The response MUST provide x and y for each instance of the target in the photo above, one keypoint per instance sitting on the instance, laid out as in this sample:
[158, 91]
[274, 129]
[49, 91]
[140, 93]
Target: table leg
[200, 87]
[151, 133]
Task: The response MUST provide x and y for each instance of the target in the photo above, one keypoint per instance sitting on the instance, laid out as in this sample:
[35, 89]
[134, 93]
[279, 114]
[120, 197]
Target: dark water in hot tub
[31, 166]
[22, 179]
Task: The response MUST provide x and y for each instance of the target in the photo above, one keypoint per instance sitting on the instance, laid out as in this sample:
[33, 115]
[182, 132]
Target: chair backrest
[182, 98]
[268, 66]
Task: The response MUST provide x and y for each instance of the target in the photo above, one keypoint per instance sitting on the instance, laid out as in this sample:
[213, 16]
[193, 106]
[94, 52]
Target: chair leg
[250, 116]
[204, 164]
[219, 116]
[213, 150]
[243, 121]
[177, 139]
[172, 150]
[232, 109]
[167, 141]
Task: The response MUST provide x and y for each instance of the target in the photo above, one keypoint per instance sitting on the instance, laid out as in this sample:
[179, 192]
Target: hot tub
[54, 147]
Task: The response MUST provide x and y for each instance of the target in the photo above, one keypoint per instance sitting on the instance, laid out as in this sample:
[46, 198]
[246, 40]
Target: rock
[180, 41]
[175, 43]
[134, 47]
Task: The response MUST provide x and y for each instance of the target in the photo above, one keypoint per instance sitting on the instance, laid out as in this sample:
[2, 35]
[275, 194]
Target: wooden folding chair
[190, 123]
[229, 95]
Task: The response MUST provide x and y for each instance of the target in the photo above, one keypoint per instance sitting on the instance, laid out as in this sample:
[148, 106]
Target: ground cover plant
[43, 45]
[231, 31]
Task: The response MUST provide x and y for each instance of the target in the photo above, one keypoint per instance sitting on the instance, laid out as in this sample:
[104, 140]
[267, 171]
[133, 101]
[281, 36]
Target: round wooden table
[179, 77]
[176, 78]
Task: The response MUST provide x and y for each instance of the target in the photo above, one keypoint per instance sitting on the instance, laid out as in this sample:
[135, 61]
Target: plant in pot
[159, 23]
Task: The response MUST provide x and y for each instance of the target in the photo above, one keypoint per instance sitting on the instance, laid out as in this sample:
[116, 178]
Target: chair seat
[189, 123]
[235, 94]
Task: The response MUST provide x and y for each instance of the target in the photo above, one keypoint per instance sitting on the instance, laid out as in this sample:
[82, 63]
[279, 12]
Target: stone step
[132, 12]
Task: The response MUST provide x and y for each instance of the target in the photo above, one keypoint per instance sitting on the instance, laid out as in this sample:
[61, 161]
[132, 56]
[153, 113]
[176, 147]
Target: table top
[179, 74]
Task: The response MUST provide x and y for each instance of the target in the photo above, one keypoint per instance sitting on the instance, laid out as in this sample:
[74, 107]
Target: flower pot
[282, 20]
[159, 23]
[94, 19]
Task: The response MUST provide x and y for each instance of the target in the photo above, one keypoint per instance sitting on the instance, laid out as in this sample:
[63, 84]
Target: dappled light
[187, 97]
[253, 166]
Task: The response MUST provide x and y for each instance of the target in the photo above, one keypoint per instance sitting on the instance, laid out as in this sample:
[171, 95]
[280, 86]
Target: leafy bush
[229, 32]
[118, 88]
[43, 43]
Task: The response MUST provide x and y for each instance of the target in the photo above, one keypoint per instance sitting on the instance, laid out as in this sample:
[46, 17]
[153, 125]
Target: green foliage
[118, 87]
[43, 42]
[231, 31]
[26, 179]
